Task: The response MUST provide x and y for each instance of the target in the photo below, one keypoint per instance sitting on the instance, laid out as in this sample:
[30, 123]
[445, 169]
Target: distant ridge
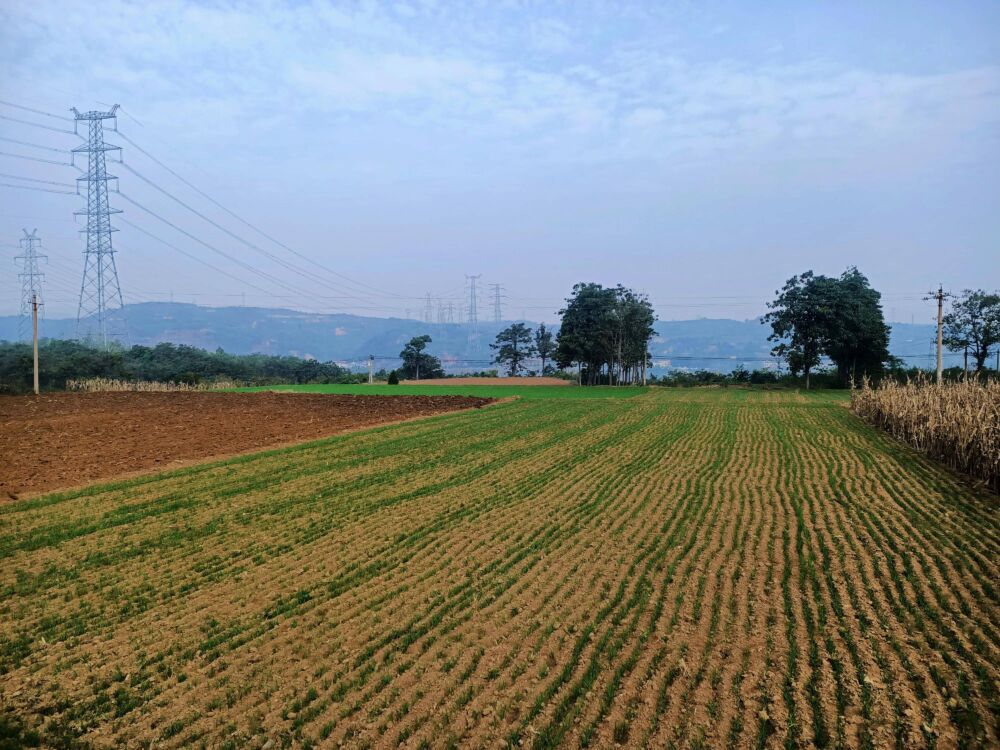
[712, 344]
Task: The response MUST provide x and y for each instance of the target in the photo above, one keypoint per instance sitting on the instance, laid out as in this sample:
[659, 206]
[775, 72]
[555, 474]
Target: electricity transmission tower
[497, 310]
[473, 313]
[428, 310]
[31, 280]
[100, 316]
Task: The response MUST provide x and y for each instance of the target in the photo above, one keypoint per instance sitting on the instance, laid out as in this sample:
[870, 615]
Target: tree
[513, 346]
[798, 320]
[974, 324]
[606, 331]
[544, 344]
[837, 317]
[417, 363]
[856, 337]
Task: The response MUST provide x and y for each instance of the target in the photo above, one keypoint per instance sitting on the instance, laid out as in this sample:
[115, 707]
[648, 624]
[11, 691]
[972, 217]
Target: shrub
[393, 378]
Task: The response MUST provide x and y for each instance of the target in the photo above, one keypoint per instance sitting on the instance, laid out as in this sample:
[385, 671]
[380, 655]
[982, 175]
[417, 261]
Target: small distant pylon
[100, 316]
[497, 308]
[428, 309]
[31, 280]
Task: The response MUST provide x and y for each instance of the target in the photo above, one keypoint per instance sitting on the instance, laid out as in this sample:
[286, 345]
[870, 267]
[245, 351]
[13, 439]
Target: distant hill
[717, 345]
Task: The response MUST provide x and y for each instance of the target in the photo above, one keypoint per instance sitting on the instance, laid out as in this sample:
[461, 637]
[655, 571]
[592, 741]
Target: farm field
[64, 440]
[703, 569]
[461, 389]
[519, 381]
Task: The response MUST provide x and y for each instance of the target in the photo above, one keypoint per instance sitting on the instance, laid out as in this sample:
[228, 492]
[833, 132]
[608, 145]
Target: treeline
[64, 360]
[605, 331]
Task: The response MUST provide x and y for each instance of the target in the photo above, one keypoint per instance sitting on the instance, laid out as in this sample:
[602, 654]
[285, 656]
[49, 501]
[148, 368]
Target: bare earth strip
[67, 439]
[698, 570]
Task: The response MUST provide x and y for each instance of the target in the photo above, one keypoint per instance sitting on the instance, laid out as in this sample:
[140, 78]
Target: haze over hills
[713, 344]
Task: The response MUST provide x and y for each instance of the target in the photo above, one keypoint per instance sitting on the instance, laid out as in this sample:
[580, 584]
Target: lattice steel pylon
[31, 280]
[100, 317]
[497, 305]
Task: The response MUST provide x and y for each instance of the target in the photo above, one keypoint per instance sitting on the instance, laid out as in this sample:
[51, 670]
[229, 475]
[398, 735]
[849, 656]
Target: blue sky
[700, 152]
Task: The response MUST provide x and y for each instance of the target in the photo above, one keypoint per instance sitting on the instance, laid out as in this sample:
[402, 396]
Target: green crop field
[482, 391]
[704, 569]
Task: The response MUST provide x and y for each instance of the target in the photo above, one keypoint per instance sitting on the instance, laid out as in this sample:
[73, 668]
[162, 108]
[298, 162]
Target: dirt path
[69, 439]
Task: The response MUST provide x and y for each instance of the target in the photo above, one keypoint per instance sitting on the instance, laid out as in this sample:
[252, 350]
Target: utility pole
[100, 313]
[31, 279]
[371, 369]
[497, 311]
[940, 296]
[34, 336]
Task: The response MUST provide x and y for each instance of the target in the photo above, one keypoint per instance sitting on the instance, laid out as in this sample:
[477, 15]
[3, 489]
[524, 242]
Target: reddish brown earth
[68, 439]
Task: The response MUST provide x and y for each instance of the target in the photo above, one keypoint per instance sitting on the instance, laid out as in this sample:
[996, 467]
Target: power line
[280, 261]
[35, 179]
[252, 226]
[264, 275]
[36, 125]
[192, 256]
[38, 159]
[42, 189]
[34, 145]
[36, 111]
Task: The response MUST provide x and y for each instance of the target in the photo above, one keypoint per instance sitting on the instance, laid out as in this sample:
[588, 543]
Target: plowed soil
[68, 439]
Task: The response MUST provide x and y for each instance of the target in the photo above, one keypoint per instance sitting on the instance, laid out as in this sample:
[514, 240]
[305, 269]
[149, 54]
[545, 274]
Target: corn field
[957, 423]
[103, 385]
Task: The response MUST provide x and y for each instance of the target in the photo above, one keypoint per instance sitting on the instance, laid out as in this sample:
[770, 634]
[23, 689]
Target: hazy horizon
[700, 154]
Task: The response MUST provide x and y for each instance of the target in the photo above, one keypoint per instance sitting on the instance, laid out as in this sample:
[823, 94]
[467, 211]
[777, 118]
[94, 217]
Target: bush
[393, 378]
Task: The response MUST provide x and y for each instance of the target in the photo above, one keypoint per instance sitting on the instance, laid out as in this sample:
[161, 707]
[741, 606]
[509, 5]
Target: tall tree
[973, 324]
[583, 333]
[856, 337]
[513, 346]
[545, 346]
[417, 363]
[799, 321]
[606, 331]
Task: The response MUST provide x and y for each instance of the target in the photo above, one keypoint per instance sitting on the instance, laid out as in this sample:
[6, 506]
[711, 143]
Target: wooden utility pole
[939, 295]
[34, 335]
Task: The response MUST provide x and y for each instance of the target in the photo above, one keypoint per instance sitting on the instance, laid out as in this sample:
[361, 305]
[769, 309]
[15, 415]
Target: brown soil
[489, 381]
[68, 439]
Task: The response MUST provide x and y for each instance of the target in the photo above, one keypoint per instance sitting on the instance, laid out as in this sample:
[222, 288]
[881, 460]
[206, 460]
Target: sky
[360, 156]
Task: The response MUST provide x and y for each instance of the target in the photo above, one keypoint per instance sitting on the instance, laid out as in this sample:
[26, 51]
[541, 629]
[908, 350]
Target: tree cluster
[973, 325]
[63, 360]
[840, 318]
[516, 344]
[606, 332]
